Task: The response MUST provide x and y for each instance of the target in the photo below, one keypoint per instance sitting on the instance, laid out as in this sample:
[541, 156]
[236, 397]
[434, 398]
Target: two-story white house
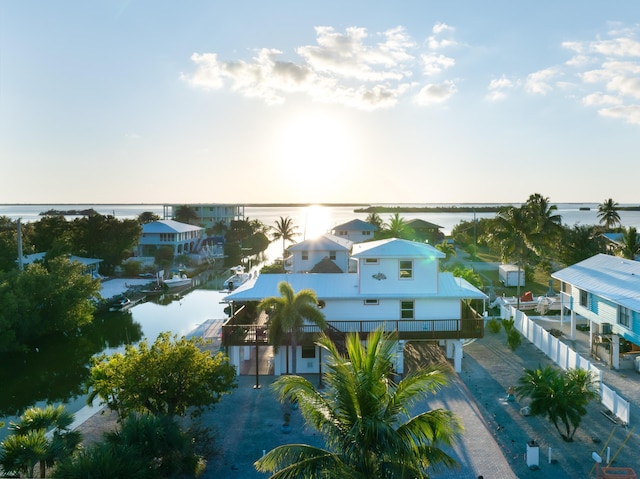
[306, 255]
[397, 286]
[356, 231]
[181, 237]
[605, 290]
[209, 214]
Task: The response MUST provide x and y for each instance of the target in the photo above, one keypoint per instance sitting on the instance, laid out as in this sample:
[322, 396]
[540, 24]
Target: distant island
[86, 212]
[430, 209]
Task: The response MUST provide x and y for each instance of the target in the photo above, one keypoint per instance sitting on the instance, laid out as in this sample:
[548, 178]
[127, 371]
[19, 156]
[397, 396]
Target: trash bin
[533, 454]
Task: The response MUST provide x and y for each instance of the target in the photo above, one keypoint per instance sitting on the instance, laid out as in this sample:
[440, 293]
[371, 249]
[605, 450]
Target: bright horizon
[410, 102]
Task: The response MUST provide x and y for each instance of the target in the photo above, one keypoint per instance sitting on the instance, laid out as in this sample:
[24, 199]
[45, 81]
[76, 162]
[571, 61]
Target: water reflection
[56, 372]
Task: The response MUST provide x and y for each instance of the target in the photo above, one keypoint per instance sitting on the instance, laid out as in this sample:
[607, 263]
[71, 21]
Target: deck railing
[405, 329]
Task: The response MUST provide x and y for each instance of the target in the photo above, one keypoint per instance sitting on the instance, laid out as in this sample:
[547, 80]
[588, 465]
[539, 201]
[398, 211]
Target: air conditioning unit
[605, 328]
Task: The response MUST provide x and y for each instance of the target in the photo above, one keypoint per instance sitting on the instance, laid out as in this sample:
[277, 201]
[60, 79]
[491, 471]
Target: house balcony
[405, 329]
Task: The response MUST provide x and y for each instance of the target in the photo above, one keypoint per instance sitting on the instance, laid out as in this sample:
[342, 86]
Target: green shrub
[507, 324]
[494, 326]
[514, 339]
[132, 268]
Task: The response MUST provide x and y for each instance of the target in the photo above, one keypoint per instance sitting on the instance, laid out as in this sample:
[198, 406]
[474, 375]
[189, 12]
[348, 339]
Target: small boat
[121, 303]
[177, 280]
[238, 277]
[528, 302]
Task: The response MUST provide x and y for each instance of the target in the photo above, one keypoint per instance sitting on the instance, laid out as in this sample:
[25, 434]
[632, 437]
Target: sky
[460, 101]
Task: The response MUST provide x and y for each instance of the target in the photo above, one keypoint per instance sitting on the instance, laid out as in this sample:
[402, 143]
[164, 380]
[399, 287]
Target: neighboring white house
[306, 255]
[398, 286]
[209, 214]
[90, 266]
[356, 231]
[182, 237]
[605, 290]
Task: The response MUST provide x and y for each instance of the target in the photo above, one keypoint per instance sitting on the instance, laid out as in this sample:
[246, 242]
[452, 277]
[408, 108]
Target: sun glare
[317, 221]
[315, 140]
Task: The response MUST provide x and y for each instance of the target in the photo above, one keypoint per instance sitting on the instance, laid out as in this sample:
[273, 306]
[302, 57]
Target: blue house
[605, 290]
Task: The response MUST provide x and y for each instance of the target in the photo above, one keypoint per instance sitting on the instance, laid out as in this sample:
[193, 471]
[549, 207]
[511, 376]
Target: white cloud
[540, 82]
[353, 67]
[629, 113]
[498, 88]
[436, 63]
[599, 99]
[435, 93]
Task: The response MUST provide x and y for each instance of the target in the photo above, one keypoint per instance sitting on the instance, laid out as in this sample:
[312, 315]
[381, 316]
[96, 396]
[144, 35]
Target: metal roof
[610, 277]
[355, 225]
[168, 226]
[325, 242]
[395, 248]
[345, 286]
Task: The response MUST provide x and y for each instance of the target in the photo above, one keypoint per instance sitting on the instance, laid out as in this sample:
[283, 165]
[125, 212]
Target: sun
[315, 140]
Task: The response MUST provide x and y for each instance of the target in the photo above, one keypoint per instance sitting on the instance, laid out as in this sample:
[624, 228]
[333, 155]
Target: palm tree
[185, 214]
[364, 418]
[375, 220]
[28, 444]
[516, 235]
[543, 214]
[561, 396]
[397, 227]
[447, 248]
[630, 247]
[608, 214]
[284, 230]
[287, 314]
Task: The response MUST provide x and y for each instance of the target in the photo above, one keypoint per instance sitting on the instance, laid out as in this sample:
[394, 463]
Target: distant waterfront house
[90, 266]
[183, 238]
[209, 214]
[306, 255]
[356, 230]
[397, 285]
[605, 290]
[426, 231]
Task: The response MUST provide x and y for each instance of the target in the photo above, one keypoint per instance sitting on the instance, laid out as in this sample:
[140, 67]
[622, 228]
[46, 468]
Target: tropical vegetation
[364, 416]
[165, 379]
[561, 396]
[287, 314]
[608, 213]
[284, 230]
[29, 445]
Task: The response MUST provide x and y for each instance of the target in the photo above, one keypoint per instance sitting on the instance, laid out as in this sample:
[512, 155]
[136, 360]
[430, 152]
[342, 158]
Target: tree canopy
[364, 418]
[165, 378]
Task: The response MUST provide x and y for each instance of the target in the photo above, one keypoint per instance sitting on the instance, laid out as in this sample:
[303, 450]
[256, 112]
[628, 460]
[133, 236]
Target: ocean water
[312, 221]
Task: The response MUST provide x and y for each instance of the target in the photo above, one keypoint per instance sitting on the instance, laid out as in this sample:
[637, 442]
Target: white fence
[566, 358]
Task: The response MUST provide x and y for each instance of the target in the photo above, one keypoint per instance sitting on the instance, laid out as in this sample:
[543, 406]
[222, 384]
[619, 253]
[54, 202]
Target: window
[406, 269]
[371, 261]
[332, 255]
[305, 255]
[584, 298]
[624, 316]
[371, 302]
[406, 310]
[308, 352]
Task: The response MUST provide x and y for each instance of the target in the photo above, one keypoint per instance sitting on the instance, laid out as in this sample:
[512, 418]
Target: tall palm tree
[447, 248]
[608, 214]
[516, 235]
[364, 418]
[397, 227]
[375, 219]
[561, 396]
[287, 314]
[543, 214]
[284, 230]
[630, 247]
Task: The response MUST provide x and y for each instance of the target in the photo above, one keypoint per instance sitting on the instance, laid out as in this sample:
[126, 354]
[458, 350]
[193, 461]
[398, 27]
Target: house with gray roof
[181, 237]
[397, 285]
[605, 290]
[355, 230]
[306, 255]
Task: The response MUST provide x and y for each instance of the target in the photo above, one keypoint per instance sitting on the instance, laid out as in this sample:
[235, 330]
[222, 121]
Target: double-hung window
[407, 310]
[406, 269]
[624, 316]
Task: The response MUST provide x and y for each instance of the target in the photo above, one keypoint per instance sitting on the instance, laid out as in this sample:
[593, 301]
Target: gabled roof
[326, 242]
[326, 266]
[422, 224]
[345, 286]
[610, 277]
[168, 226]
[355, 225]
[31, 258]
[395, 248]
